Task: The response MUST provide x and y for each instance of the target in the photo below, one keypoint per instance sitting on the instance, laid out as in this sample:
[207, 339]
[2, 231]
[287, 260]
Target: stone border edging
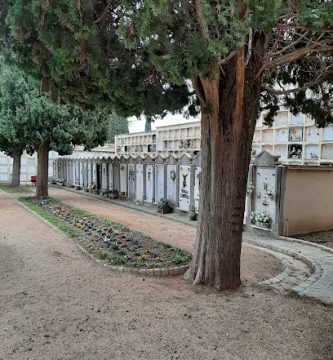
[285, 265]
[159, 272]
[314, 266]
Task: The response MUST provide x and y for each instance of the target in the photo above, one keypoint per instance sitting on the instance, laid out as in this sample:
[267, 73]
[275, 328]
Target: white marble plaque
[184, 187]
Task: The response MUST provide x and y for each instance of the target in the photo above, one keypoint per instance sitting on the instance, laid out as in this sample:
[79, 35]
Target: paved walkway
[319, 258]
[308, 268]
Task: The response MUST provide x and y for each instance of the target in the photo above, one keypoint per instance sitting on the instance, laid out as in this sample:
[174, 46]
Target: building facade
[296, 139]
[28, 166]
[165, 141]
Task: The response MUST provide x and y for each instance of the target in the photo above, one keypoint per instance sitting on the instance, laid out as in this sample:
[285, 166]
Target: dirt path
[58, 304]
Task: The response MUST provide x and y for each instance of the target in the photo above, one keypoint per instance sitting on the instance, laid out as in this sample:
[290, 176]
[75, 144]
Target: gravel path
[58, 304]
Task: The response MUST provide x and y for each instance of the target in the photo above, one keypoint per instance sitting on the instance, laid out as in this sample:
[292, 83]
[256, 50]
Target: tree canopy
[14, 91]
[30, 121]
[80, 55]
[29, 118]
[125, 54]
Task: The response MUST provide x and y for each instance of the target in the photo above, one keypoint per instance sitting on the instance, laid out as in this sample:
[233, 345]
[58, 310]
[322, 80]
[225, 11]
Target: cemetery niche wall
[274, 202]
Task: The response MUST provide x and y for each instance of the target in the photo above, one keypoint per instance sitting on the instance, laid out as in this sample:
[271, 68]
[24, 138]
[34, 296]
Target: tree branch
[228, 58]
[105, 11]
[296, 55]
[290, 91]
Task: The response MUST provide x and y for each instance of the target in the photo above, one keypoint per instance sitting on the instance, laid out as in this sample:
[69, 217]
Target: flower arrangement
[263, 217]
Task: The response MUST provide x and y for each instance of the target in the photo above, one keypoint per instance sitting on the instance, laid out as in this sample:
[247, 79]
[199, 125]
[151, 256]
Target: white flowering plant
[250, 188]
[263, 217]
[253, 217]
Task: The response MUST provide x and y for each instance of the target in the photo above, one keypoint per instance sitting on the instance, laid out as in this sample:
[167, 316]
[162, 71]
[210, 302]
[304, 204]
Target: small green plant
[117, 260]
[164, 206]
[102, 254]
[182, 256]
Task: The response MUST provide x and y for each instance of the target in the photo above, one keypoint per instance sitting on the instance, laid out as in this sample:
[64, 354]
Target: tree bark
[231, 105]
[16, 168]
[42, 170]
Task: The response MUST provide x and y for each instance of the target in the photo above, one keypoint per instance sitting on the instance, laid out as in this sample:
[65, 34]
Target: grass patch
[107, 240]
[67, 229]
[23, 189]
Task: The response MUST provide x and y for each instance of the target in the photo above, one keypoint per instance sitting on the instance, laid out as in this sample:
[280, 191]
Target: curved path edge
[319, 285]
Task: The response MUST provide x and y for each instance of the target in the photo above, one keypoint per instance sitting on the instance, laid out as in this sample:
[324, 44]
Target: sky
[136, 125]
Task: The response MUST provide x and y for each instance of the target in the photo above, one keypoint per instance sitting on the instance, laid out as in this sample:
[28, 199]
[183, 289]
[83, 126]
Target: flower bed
[109, 241]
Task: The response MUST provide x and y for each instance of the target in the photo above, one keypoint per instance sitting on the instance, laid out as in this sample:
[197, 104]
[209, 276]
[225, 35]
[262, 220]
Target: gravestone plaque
[111, 176]
[149, 183]
[131, 181]
[171, 184]
[123, 178]
[184, 187]
[159, 186]
[139, 181]
[104, 176]
[197, 179]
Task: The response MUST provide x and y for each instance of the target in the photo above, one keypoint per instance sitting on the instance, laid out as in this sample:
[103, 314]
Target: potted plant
[113, 194]
[105, 193]
[192, 214]
[164, 206]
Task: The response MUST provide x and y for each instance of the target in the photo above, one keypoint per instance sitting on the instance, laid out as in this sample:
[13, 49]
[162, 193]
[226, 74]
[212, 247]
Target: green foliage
[117, 125]
[182, 256]
[74, 50]
[23, 189]
[14, 93]
[29, 120]
[134, 57]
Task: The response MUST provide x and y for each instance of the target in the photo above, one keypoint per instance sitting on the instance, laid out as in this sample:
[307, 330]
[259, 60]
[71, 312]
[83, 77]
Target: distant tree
[241, 56]
[15, 151]
[15, 90]
[117, 125]
[33, 122]
[59, 128]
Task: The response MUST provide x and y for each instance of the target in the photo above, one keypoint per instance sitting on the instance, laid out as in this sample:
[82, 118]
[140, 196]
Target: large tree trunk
[16, 168]
[230, 104]
[42, 170]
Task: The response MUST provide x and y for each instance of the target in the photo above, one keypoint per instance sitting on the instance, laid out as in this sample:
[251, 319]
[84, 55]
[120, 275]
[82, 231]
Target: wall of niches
[145, 180]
